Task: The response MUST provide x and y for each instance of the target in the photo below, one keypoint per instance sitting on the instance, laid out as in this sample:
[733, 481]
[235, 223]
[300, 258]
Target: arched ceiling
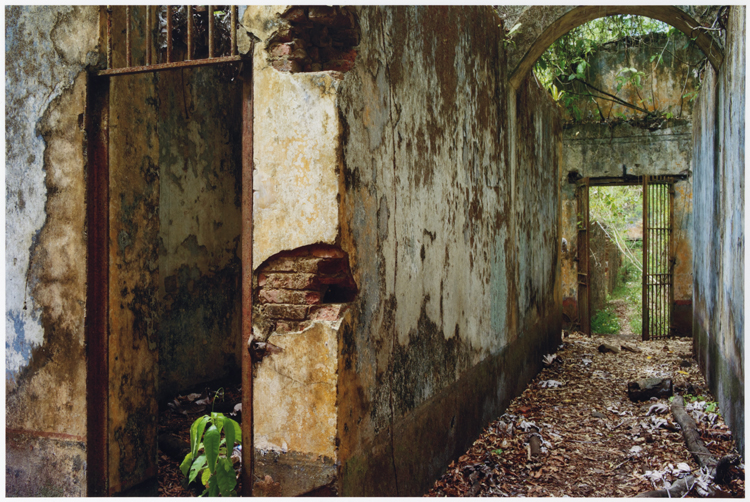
[542, 25]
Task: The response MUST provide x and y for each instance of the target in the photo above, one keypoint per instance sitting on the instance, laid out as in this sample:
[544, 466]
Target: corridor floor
[596, 442]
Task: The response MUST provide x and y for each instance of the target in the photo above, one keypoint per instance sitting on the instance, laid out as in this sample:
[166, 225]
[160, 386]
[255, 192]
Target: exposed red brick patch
[302, 285]
[316, 39]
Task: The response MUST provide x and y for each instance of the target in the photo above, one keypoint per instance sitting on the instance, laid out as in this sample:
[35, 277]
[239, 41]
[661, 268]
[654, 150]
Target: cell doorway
[169, 128]
[626, 256]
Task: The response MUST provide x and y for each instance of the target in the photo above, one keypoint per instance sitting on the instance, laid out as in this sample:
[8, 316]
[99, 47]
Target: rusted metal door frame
[658, 268]
[658, 257]
[97, 214]
[582, 224]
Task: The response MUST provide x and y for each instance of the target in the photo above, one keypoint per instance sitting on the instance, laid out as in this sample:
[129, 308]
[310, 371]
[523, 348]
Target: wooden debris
[692, 439]
[635, 350]
[535, 445]
[605, 347]
[644, 389]
[173, 446]
[678, 489]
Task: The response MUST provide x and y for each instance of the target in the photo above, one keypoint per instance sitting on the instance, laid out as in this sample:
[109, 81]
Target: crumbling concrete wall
[667, 86]
[199, 128]
[47, 52]
[718, 231]
[599, 150]
[439, 184]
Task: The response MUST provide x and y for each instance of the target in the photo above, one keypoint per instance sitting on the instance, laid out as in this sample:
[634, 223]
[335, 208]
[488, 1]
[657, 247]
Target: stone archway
[541, 26]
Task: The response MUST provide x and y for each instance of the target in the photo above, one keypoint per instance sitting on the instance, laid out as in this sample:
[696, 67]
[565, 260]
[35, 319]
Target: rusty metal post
[233, 34]
[190, 31]
[169, 34]
[584, 282]
[645, 332]
[109, 37]
[211, 30]
[672, 259]
[149, 32]
[248, 446]
[128, 55]
[97, 278]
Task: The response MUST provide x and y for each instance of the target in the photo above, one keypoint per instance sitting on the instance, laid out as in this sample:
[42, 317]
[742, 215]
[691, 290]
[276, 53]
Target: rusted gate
[582, 224]
[658, 256]
[98, 332]
[658, 251]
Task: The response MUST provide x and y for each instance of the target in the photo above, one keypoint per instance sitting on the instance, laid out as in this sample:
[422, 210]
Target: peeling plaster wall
[47, 52]
[199, 127]
[440, 183]
[664, 84]
[450, 214]
[718, 230]
[596, 150]
[296, 133]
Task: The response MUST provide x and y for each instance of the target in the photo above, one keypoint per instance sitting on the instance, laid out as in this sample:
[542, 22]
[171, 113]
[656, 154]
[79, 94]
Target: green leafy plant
[209, 458]
[605, 322]
[509, 36]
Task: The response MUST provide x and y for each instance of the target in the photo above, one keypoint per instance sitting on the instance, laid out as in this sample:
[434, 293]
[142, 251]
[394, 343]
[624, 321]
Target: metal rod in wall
[659, 259]
[109, 37]
[169, 34]
[248, 446]
[149, 32]
[663, 257]
[190, 32]
[233, 24]
[211, 30]
[96, 324]
[128, 56]
[657, 256]
[672, 256]
[644, 277]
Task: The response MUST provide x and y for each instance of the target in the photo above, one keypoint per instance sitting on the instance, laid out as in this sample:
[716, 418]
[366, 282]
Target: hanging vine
[565, 69]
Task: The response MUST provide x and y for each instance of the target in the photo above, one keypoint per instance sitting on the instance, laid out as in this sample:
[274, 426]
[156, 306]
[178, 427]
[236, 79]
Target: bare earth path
[597, 443]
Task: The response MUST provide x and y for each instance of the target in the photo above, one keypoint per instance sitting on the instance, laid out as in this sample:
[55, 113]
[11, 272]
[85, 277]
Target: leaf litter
[595, 441]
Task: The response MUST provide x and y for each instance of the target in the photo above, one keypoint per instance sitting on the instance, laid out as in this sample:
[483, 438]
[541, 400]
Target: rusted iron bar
[248, 446]
[149, 31]
[190, 32]
[233, 34]
[97, 316]
[646, 258]
[211, 31]
[170, 66]
[109, 36]
[169, 34]
[128, 55]
[672, 260]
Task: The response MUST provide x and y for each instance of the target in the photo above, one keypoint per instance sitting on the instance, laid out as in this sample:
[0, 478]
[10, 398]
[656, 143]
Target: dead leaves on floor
[593, 441]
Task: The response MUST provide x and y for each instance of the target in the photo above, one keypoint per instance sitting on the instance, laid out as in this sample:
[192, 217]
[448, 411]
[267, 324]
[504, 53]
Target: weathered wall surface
[664, 84]
[449, 215]
[296, 157]
[441, 189]
[596, 150]
[718, 231]
[47, 52]
[199, 129]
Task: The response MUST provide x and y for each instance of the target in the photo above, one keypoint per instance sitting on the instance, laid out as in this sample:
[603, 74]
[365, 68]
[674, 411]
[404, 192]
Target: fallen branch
[678, 489]
[692, 439]
[717, 469]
